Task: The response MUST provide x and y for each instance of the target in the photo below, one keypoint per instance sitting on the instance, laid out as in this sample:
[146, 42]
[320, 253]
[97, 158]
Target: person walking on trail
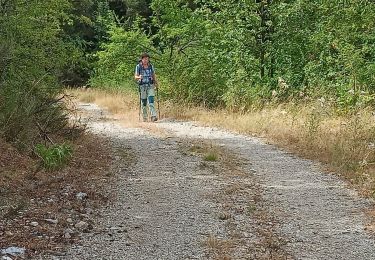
[145, 75]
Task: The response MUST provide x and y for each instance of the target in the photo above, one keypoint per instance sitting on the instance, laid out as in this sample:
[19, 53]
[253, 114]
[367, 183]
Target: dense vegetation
[244, 54]
[238, 55]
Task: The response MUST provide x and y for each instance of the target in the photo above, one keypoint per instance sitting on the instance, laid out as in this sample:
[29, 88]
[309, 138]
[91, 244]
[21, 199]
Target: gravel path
[320, 217]
[170, 204]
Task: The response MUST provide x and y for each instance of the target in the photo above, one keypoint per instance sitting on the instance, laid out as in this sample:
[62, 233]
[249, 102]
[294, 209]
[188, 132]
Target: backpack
[140, 69]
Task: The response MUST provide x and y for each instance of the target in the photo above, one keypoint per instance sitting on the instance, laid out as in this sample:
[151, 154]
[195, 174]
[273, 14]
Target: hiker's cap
[145, 54]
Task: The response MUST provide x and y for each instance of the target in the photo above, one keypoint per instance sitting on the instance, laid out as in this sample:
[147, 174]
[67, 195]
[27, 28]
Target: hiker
[145, 75]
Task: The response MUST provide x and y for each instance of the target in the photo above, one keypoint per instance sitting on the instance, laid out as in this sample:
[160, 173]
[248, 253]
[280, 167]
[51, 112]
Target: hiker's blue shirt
[146, 74]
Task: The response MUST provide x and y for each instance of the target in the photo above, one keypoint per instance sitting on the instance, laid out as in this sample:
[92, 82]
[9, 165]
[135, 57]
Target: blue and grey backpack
[146, 73]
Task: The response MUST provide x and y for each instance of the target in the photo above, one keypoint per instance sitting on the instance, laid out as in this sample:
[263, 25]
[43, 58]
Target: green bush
[55, 156]
[35, 53]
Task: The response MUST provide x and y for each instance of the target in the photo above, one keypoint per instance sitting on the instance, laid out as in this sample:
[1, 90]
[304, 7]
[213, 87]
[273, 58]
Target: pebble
[68, 230]
[82, 225]
[52, 221]
[13, 251]
[34, 224]
[81, 195]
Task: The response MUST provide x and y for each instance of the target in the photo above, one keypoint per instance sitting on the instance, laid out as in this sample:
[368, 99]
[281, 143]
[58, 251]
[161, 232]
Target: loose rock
[81, 195]
[51, 221]
[13, 251]
[82, 225]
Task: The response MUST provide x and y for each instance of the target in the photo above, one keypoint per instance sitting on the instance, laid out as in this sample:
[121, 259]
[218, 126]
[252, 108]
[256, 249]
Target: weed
[209, 152]
[219, 247]
[211, 156]
[55, 156]
[251, 209]
[196, 149]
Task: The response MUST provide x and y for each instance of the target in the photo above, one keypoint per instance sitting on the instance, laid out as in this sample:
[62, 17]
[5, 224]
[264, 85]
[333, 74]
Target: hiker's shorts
[147, 91]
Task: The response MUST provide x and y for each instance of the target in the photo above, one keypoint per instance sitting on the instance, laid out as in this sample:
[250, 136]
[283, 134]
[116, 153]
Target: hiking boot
[154, 118]
[145, 119]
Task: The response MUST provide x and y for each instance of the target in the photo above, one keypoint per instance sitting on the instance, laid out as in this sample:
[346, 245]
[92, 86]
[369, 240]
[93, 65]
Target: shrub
[55, 156]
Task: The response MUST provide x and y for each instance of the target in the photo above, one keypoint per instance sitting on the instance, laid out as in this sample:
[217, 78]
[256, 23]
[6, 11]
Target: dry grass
[122, 105]
[219, 248]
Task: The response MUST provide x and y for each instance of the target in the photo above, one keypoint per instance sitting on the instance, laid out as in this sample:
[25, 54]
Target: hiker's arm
[137, 76]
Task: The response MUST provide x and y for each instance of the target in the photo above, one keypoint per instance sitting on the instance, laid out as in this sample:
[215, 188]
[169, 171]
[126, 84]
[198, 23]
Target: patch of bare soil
[39, 209]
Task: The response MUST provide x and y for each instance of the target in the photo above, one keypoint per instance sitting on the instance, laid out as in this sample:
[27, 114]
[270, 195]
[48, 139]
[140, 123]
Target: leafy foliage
[55, 156]
[34, 57]
[116, 62]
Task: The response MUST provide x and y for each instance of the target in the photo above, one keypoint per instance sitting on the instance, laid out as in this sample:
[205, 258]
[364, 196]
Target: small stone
[81, 195]
[114, 228]
[67, 236]
[68, 230]
[82, 225]
[69, 220]
[34, 224]
[13, 251]
[51, 221]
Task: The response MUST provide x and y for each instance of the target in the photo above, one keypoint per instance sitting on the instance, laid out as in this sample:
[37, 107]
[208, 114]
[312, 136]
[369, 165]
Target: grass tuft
[211, 156]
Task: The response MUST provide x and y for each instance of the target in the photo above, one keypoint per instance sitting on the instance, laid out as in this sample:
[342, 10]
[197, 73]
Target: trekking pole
[140, 104]
[158, 100]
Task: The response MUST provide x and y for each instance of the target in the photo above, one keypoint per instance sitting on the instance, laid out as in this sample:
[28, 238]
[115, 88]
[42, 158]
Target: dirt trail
[256, 202]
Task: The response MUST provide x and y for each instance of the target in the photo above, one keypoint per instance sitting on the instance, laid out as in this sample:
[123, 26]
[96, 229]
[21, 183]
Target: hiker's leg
[151, 101]
[144, 102]
[144, 109]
